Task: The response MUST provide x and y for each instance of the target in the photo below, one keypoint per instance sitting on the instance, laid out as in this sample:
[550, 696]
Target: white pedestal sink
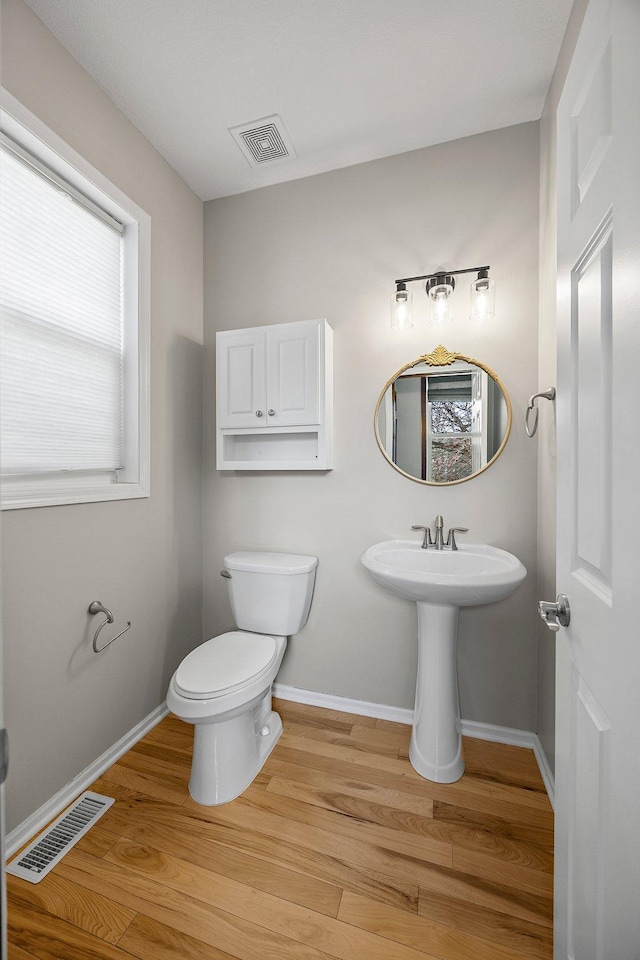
[440, 581]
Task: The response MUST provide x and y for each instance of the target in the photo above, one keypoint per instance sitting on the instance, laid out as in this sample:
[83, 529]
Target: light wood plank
[46, 937]
[17, 953]
[497, 871]
[67, 901]
[496, 799]
[181, 757]
[390, 726]
[171, 768]
[97, 841]
[323, 717]
[381, 744]
[469, 835]
[153, 786]
[335, 823]
[420, 933]
[530, 939]
[396, 857]
[368, 736]
[336, 860]
[422, 806]
[462, 888]
[228, 861]
[466, 786]
[149, 940]
[535, 837]
[287, 919]
[397, 868]
[502, 763]
[240, 937]
[176, 725]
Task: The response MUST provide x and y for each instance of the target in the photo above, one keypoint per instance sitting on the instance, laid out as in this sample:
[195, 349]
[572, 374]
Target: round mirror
[443, 418]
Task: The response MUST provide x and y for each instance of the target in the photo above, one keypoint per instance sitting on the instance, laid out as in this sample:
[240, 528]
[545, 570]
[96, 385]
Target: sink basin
[473, 574]
[440, 581]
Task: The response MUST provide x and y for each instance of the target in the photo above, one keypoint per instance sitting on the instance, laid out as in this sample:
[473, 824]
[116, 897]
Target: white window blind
[61, 366]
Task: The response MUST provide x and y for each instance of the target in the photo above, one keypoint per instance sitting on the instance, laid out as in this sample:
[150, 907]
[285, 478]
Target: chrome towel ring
[97, 607]
[530, 429]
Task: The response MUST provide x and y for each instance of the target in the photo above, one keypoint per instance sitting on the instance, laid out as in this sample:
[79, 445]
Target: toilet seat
[225, 664]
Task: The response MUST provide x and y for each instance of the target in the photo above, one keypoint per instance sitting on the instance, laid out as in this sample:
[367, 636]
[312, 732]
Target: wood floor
[337, 850]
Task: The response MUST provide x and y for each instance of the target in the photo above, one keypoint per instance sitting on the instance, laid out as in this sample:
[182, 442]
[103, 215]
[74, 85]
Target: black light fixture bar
[444, 273]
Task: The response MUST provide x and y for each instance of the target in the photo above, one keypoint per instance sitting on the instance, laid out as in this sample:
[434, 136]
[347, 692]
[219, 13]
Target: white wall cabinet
[274, 397]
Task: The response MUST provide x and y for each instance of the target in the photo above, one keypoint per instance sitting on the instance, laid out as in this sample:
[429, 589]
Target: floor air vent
[263, 141]
[41, 856]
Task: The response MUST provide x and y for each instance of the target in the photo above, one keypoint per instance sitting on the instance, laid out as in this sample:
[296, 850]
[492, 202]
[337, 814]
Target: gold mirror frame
[441, 357]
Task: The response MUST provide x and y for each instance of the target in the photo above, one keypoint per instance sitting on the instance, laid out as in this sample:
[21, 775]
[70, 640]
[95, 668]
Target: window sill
[36, 494]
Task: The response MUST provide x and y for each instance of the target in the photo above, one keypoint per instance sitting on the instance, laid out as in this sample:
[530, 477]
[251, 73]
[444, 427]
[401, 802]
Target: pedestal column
[435, 751]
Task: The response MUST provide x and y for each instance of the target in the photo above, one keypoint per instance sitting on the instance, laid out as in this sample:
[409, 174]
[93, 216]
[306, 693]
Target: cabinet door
[293, 373]
[240, 368]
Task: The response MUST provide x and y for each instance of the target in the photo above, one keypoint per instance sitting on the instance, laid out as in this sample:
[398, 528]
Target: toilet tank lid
[279, 563]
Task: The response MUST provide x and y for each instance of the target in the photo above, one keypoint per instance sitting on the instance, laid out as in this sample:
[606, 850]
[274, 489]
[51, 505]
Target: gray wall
[64, 705]
[330, 246]
[546, 534]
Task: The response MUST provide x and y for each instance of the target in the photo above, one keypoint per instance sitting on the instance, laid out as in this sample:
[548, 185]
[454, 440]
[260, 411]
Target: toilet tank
[270, 592]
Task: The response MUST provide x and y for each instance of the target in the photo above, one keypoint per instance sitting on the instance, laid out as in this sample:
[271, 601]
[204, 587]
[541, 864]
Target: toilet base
[228, 754]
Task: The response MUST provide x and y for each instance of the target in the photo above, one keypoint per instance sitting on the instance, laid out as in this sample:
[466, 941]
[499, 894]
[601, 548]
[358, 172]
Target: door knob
[557, 614]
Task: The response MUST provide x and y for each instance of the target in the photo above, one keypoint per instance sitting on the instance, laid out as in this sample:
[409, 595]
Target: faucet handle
[426, 541]
[451, 536]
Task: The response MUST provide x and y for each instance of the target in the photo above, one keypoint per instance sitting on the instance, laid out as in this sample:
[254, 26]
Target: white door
[598, 555]
[293, 373]
[240, 375]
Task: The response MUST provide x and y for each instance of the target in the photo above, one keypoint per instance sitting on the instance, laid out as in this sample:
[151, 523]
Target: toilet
[224, 685]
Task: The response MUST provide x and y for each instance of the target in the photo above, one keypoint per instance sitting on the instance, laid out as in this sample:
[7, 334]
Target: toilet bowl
[223, 686]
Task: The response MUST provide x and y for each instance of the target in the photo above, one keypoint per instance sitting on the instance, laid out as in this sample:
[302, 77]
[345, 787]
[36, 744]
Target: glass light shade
[401, 303]
[440, 305]
[483, 298]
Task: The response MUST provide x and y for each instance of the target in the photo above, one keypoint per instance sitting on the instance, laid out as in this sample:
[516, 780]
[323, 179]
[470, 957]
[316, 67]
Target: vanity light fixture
[439, 287]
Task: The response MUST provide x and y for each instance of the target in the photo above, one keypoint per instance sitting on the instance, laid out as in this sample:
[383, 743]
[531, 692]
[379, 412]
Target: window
[74, 328]
[450, 427]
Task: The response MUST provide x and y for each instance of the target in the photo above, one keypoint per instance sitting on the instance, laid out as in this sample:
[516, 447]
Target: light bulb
[441, 310]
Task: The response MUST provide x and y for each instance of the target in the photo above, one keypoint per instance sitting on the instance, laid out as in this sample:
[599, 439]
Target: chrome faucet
[439, 543]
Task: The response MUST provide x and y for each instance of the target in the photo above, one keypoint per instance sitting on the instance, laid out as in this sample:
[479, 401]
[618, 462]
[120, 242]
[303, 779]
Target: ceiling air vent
[263, 141]
[35, 862]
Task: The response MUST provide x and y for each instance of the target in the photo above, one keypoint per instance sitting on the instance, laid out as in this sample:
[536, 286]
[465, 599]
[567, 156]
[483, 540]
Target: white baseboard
[50, 810]
[545, 771]
[470, 728]
[361, 708]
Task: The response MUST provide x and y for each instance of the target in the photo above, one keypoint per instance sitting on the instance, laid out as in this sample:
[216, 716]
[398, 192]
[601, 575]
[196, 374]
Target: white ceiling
[352, 80]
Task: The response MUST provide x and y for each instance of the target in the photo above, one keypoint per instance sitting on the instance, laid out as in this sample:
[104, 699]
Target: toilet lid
[223, 664]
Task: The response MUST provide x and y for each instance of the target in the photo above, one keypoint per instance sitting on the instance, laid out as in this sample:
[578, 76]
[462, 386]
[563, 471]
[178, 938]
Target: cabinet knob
[258, 413]
[271, 413]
